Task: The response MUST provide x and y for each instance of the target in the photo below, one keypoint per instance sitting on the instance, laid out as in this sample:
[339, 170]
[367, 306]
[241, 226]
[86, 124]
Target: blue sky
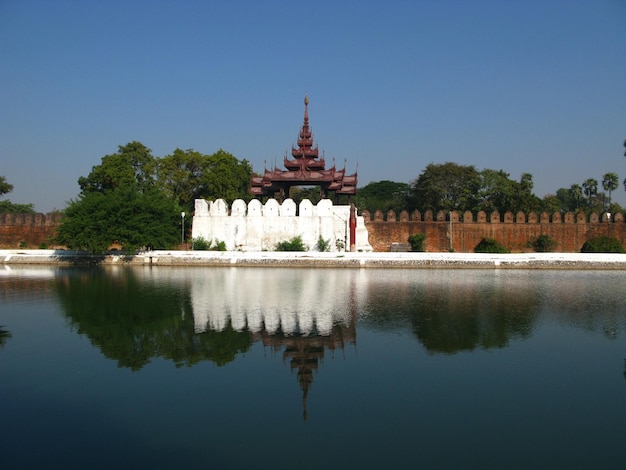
[518, 85]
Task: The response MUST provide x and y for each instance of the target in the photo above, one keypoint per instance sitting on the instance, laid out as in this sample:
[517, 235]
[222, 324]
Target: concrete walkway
[325, 260]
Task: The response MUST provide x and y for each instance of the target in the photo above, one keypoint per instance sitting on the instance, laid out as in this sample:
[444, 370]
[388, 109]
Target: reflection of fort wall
[291, 301]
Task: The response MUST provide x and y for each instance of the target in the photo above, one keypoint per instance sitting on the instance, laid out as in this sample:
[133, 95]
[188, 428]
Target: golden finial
[306, 99]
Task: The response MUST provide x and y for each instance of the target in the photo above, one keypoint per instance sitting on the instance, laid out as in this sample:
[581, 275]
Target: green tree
[552, 203]
[120, 202]
[576, 193]
[497, 191]
[180, 176]
[5, 187]
[224, 176]
[525, 200]
[187, 175]
[384, 196]
[447, 187]
[132, 165]
[610, 182]
[590, 189]
[8, 207]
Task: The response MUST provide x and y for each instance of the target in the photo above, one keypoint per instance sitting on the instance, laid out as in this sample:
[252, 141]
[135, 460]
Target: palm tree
[610, 181]
[577, 192]
[590, 188]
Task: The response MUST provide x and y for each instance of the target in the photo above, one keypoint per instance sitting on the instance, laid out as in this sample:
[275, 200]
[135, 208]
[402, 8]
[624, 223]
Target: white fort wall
[259, 227]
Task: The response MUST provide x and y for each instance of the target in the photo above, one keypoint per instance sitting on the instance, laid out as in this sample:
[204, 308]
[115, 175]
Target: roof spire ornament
[305, 168]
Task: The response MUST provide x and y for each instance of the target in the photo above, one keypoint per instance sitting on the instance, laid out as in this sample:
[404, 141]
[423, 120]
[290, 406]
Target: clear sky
[535, 86]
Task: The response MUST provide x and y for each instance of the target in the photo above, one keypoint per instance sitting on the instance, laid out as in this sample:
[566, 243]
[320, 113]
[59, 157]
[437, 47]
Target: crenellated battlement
[494, 218]
[462, 232]
[31, 220]
[28, 230]
[259, 227]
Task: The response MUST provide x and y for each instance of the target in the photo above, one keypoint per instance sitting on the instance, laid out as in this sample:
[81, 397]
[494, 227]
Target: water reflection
[421, 338]
[189, 315]
[4, 336]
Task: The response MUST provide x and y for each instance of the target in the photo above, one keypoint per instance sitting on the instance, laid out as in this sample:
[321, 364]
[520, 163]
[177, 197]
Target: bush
[489, 245]
[603, 244]
[417, 241]
[543, 243]
[322, 245]
[201, 244]
[295, 244]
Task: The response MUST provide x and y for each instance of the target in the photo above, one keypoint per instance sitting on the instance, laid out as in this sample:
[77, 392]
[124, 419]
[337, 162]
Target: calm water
[246, 368]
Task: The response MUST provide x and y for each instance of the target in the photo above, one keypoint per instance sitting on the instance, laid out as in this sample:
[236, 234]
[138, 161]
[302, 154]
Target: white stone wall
[258, 227]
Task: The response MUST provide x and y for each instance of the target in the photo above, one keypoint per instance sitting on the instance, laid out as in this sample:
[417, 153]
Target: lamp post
[182, 229]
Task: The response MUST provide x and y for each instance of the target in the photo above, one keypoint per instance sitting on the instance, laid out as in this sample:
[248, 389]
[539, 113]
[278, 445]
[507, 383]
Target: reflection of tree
[449, 317]
[134, 320]
[4, 336]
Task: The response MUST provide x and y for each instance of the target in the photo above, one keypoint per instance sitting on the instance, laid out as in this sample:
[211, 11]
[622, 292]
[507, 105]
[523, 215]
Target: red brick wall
[570, 231]
[28, 230]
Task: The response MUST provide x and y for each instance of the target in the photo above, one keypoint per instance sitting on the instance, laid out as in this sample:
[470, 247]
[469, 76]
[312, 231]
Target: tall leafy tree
[132, 165]
[120, 203]
[384, 196]
[610, 182]
[186, 175]
[226, 177]
[447, 186]
[180, 175]
[552, 203]
[497, 191]
[526, 200]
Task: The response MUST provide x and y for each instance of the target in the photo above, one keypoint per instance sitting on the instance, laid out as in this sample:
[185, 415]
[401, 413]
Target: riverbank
[323, 260]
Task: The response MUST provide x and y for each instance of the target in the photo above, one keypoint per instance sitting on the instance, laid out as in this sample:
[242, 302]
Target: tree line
[453, 187]
[135, 199]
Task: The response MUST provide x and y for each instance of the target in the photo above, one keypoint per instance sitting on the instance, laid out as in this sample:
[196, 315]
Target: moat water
[256, 368]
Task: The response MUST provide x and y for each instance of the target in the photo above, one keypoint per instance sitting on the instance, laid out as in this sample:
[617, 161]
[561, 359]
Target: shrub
[489, 245]
[322, 245]
[340, 244]
[295, 244]
[201, 244]
[543, 243]
[603, 244]
[417, 241]
[219, 246]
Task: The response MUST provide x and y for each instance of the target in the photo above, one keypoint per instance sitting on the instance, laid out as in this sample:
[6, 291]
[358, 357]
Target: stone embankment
[323, 260]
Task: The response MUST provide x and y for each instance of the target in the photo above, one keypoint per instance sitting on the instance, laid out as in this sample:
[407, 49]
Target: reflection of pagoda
[306, 352]
[305, 170]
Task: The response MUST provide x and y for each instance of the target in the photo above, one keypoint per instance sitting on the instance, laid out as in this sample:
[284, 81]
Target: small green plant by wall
[295, 244]
[543, 243]
[489, 245]
[417, 241]
[603, 244]
[201, 244]
[322, 245]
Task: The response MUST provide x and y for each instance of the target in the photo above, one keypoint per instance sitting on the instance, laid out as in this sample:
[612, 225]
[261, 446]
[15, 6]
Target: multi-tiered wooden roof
[305, 168]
